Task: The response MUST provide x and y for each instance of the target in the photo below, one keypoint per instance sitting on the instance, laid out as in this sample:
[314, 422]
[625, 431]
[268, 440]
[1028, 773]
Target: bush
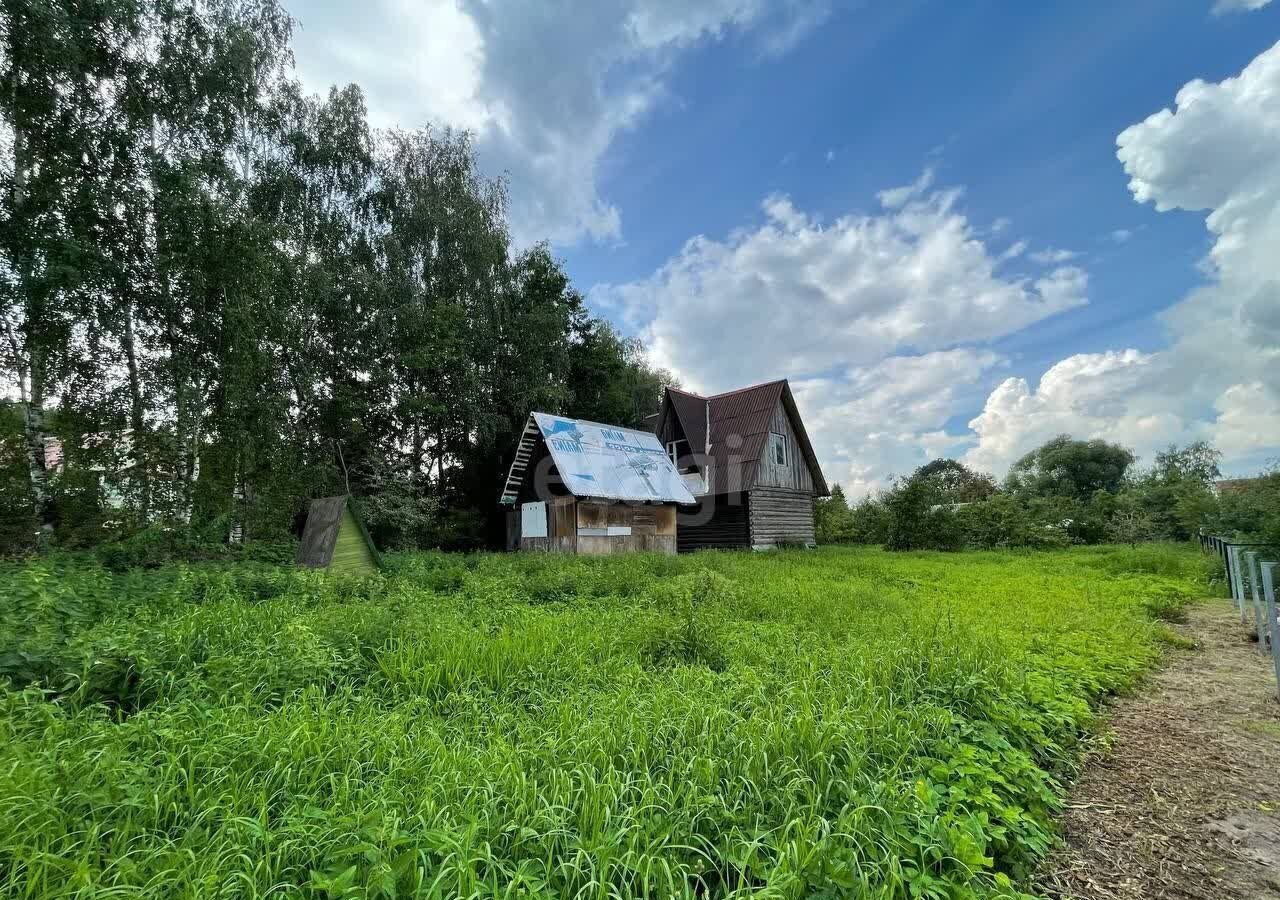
[164, 544]
[917, 523]
[1004, 522]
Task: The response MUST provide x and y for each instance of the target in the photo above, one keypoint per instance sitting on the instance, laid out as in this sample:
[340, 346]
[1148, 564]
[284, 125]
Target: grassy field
[828, 723]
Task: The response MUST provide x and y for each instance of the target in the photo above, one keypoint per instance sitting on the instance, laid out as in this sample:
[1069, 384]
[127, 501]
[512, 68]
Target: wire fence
[1252, 578]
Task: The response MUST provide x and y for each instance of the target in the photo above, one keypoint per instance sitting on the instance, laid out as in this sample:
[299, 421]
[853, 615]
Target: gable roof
[739, 427]
[600, 461]
[320, 536]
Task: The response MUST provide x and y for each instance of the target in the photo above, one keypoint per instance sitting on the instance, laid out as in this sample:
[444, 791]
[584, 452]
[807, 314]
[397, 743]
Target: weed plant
[831, 723]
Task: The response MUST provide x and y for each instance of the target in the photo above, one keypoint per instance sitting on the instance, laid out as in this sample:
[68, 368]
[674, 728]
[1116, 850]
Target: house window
[778, 448]
[678, 450]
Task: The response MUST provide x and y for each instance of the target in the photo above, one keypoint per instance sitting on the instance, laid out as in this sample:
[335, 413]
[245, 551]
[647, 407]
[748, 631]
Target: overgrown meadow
[830, 723]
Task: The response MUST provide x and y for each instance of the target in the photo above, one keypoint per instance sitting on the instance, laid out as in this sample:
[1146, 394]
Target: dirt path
[1186, 802]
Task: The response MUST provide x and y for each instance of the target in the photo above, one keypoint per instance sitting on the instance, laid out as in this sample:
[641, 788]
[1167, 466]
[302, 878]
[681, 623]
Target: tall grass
[798, 724]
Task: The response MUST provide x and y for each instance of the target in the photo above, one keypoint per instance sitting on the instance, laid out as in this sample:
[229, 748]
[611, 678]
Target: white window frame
[779, 441]
[673, 452]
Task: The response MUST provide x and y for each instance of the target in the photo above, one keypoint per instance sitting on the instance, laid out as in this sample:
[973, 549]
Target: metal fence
[1252, 579]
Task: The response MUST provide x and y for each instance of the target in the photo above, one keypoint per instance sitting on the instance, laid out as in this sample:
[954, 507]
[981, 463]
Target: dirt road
[1186, 801]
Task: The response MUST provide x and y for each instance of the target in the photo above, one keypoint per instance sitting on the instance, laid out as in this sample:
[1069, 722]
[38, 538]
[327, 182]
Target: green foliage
[1251, 511]
[241, 300]
[694, 604]
[923, 510]
[159, 545]
[1063, 467]
[1004, 521]
[832, 518]
[917, 521]
[836, 522]
[831, 722]
[1068, 492]
[18, 525]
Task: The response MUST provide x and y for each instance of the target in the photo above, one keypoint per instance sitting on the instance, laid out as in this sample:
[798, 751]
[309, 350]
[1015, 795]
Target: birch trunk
[137, 421]
[35, 439]
[33, 420]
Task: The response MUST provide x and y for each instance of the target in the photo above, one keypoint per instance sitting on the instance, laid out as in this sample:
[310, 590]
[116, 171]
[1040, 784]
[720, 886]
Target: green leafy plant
[830, 722]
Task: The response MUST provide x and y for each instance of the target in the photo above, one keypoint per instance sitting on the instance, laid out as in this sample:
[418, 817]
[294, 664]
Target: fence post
[1251, 566]
[1226, 567]
[1237, 580]
[1269, 591]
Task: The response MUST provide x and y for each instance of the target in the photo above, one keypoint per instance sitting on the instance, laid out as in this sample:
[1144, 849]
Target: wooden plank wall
[653, 528]
[780, 517]
[562, 513]
[725, 529]
[795, 475]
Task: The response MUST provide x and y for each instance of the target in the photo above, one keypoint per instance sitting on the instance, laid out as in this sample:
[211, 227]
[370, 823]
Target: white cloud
[807, 296]
[895, 197]
[1087, 395]
[888, 418]
[545, 87]
[868, 315]
[1222, 7]
[1053, 255]
[831, 156]
[1219, 378]
[1121, 235]
[1016, 249]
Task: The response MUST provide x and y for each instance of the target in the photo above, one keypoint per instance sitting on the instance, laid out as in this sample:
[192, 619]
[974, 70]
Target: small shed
[336, 539]
[583, 487]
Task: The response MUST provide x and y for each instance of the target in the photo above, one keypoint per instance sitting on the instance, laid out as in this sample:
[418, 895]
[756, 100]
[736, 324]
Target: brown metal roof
[740, 422]
[691, 411]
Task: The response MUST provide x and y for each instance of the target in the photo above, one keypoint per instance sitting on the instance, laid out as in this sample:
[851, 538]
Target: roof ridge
[752, 387]
[677, 390]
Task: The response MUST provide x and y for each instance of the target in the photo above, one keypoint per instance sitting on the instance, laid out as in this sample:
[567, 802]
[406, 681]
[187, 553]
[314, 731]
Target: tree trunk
[33, 420]
[35, 439]
[137, 421]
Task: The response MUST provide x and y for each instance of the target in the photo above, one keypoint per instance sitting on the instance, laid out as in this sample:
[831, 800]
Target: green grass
[798, 724]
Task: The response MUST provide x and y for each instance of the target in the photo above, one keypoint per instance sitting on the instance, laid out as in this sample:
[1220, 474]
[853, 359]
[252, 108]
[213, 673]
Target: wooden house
[582, 487]
[747, 459]
[335, 539]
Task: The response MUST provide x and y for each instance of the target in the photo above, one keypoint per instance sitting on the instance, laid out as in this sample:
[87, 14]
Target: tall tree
[1064, 467]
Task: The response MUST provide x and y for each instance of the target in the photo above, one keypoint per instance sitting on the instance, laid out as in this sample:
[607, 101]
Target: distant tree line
[1063, 492]
[220, 296]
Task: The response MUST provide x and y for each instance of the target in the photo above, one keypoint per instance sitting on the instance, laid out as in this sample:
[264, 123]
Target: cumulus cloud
[878, 319]
[545, 87]
[805, 296]
[1219, 378]
[888, 418]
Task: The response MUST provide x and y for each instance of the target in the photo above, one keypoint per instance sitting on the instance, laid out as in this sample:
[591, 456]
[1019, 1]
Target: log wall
[779, 516]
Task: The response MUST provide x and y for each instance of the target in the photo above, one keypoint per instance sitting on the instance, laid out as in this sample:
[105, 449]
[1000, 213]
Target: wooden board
[795, 475]
[564, 517]
[593, 515]
[718, 522]
[664, 520]
[780, 517]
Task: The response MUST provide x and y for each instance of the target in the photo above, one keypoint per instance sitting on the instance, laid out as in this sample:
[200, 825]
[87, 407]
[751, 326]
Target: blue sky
[715, 180]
